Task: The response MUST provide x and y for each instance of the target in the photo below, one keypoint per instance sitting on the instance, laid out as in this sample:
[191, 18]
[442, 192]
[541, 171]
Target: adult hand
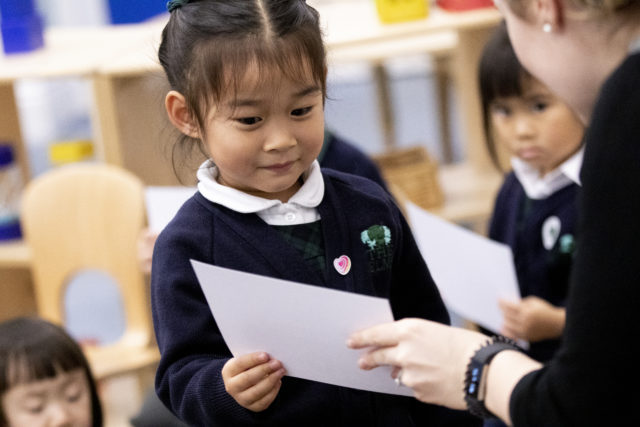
[253, 380]
[532, 319]
[432, 357]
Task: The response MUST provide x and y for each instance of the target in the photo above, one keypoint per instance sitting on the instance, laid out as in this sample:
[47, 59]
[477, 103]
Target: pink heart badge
[342, 264]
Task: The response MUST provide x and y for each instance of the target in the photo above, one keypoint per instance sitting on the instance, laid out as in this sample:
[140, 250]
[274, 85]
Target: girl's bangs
[222, 66]
[39, 362]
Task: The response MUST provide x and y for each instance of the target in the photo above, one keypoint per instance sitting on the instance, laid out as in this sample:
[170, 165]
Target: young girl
[536, 209]
[44, 377]
[248, 83]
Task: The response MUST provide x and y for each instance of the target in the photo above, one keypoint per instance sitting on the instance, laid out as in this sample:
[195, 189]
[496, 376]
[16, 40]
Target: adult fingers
[383, 335]
[378, 357]
[395, 372]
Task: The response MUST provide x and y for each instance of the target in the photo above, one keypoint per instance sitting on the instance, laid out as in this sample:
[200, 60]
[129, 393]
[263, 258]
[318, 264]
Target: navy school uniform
[343, 156]
[358, 219]
[541, 234]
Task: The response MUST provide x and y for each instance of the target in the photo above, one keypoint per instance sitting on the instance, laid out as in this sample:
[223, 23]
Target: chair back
[87, 217]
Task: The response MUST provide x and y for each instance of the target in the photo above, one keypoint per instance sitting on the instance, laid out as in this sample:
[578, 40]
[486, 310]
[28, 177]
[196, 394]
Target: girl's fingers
[384, 335]
[242, 363]
[510, 332]
[260, 396]
[508, 306]
[253, 376]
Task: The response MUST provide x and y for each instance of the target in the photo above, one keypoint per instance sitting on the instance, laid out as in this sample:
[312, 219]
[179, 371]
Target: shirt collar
[302, 204]
[540, 188]
[634, 47]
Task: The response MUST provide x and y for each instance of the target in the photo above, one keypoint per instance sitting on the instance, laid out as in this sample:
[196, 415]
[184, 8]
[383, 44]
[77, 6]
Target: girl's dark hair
[32, 349]
[207, 46]
[500, 74]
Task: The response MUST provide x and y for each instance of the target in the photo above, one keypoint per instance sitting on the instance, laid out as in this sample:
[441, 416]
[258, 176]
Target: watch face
[474, 381]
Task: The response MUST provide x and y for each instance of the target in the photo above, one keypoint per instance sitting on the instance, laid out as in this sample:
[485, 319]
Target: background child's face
[536, 126]
[268, 134]
[64, 400]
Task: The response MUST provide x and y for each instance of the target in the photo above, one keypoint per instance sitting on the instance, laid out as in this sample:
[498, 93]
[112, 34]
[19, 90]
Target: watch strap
[475, 377]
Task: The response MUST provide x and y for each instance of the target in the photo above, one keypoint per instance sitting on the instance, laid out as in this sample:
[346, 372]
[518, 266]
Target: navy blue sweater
[343, 156]
[193, 351]
[518, 221]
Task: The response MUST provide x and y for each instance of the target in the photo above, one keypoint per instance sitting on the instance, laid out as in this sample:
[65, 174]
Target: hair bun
[174, 4]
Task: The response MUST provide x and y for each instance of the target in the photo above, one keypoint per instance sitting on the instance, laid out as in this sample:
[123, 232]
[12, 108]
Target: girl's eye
[73, 394]
[539, 106]
[500, 110]
[249, 120]
[74, 397]
[34, 407]
[301, 111]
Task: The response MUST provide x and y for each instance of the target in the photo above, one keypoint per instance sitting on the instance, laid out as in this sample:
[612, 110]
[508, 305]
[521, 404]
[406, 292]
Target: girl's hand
[532, 319]
[432, 357]
[253, 380]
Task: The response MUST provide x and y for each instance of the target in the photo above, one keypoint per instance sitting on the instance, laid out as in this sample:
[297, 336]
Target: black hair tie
[174, 4]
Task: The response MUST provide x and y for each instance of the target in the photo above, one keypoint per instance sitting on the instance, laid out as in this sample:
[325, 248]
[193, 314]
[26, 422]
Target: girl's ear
[179, 115]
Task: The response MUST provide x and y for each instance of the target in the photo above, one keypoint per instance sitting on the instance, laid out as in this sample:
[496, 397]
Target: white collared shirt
[634, 47]
[300, 209]
[538, 187]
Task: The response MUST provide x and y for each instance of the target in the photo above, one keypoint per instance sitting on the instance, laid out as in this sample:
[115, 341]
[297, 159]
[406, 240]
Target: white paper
[471, 271]
[163, 202]
[305, 327]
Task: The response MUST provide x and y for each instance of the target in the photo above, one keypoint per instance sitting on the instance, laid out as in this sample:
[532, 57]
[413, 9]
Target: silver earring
[546, 27]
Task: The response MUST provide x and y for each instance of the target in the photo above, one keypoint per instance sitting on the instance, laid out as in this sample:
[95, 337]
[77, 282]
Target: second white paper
[305, 327]
[471, 271]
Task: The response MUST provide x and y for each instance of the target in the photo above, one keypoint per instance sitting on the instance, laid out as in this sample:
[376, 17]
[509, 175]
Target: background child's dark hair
[32, 349]
[500, 74]
[207, 45]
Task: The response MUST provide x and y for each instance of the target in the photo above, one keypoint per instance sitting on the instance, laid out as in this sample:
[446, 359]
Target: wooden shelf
[14, 254]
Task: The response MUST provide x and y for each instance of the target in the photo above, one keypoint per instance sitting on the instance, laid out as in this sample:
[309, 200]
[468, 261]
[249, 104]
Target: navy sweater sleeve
[593, 380]
[193, 351]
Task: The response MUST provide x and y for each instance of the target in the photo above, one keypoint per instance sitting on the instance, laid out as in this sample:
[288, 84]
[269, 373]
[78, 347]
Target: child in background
[343, 156]
[248, 84]
[536, 208]
[45, 379]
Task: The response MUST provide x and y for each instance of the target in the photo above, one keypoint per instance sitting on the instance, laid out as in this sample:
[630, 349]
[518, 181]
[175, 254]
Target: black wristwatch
[475, 378]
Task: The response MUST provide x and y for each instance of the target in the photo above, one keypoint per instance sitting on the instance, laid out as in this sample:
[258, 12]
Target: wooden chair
[88, 217]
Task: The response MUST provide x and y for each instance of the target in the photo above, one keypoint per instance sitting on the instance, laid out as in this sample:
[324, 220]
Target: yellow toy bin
[64, 152]
[391, 11]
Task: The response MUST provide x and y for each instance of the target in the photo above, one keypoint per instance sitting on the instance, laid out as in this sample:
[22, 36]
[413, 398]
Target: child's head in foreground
[521, 113]
[45, 379]
[248, 83]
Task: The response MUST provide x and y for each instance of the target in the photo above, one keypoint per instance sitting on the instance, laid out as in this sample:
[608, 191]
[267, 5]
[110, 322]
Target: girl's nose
[280, 140]
[524, 127]
[59, 415]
